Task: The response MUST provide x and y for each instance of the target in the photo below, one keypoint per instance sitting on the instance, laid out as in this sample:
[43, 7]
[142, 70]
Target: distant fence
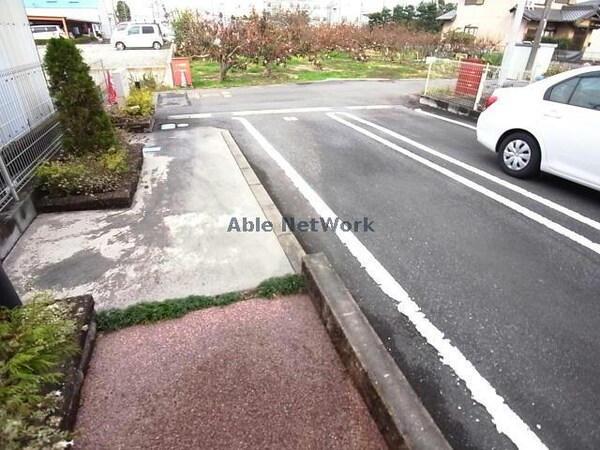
[468, 84]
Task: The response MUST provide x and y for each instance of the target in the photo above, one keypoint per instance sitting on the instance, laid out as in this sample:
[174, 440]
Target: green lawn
[205, 74]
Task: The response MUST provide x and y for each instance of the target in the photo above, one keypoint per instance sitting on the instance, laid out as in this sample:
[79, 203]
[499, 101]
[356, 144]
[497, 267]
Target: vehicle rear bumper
[487, 132]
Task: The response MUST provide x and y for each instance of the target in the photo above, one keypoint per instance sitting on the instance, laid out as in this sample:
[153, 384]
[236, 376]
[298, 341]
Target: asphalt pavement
[484, 288]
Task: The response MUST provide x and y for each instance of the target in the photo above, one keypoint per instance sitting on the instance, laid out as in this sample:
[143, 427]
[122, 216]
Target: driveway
[484, 288]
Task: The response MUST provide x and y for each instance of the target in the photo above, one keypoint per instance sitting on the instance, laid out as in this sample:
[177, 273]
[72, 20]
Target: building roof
[569, 14]
[449, 16]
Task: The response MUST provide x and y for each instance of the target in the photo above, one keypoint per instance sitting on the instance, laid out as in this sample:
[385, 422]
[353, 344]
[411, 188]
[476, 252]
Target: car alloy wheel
[156, 46]
[120, 46]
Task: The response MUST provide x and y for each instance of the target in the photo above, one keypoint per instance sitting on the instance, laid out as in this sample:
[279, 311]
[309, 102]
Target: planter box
[121, 198]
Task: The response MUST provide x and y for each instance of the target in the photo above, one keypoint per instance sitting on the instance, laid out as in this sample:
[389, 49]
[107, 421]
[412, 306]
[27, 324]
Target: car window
[121, 26]
[561, 93]
[587, 93]
[134, 30]
[148, 30]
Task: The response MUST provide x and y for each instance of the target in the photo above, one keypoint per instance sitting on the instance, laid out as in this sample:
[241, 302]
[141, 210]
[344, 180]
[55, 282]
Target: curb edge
[397, 410]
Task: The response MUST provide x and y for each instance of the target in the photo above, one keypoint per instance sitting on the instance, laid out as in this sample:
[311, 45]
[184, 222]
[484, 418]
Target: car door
[134, 36]
[569, 121]
[148, 35]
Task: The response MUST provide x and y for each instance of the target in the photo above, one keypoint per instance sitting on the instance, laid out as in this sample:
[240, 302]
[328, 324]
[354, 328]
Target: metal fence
[20, 158]
[98, 74]
[465, 83]
[29, 127]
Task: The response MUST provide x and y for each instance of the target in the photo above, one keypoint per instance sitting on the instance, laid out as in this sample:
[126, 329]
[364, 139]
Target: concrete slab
[172, 242]
[259, 374]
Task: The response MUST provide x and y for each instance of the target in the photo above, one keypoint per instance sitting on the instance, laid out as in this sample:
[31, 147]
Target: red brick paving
[259, 374]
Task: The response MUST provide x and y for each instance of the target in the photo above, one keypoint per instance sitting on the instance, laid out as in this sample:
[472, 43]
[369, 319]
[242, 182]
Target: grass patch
[205, 74]
[274, 287]
[151, 312]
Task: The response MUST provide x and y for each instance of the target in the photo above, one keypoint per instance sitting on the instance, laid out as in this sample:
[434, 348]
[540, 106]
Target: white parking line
[506, 420]
[557, 228]
[519, 190]
[189, 116]
[368, 107]
[446, 119]
[280, 111]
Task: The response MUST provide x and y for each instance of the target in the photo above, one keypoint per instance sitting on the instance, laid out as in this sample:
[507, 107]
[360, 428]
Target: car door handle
[553, 114]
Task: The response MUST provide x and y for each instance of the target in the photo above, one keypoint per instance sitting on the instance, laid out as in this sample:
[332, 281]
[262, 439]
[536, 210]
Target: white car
[45, 32]
[137, 35]
[552, 125]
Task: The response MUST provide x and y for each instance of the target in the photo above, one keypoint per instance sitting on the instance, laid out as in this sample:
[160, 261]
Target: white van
[137, 35]
[44, 32]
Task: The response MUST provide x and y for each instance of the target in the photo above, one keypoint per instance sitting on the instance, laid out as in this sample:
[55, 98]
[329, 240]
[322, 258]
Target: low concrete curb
[14, 222]
[291, 247]
[85, 322]
[395, 407]
[447, 106]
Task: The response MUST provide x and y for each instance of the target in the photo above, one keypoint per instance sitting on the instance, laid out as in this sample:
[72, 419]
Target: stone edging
[401, 417]
[108, 200]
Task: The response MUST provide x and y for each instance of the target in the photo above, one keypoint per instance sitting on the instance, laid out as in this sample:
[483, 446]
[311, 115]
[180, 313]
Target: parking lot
[483, 287]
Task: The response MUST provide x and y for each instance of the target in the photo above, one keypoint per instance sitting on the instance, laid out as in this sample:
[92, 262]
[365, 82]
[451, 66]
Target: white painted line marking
[290, 119]
[519, 190]
[167, 126]
[189, 116]
[563, 231]
[183, 125]
[370, 107]
[281, 111]
[226, 94]
[151, 149]
[446, 119]
[506, 420]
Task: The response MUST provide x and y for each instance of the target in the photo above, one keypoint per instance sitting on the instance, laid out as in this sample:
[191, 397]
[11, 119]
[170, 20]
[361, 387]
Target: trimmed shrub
[86, 126]
[84, 175]
[140, 103]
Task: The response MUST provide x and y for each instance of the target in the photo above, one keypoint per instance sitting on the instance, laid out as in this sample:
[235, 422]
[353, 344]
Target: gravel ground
[257, 374]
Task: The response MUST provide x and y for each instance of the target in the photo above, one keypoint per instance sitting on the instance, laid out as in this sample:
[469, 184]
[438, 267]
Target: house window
[471, 30]
[474, 2]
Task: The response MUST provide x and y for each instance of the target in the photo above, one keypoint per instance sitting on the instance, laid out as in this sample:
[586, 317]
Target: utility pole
[539, 34]
[8, 295]
[512, 41]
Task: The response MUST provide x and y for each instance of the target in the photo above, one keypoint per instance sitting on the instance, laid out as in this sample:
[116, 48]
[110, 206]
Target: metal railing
[24, 101]
[98, 74]
[30, 130]
[466, 83]
[20, 158]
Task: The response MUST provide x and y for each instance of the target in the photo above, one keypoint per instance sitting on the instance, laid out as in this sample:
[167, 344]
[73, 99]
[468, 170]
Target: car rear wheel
[519, 155]
[120, 46]
[157, 46]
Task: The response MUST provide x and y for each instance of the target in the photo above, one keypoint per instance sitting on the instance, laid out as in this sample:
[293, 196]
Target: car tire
[120, 46]
[519, 155]
[156, 45]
